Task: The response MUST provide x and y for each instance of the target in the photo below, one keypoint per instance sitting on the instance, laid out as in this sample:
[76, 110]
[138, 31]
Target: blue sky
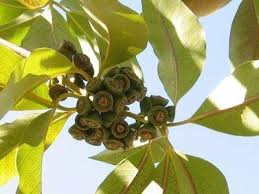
[67, 168]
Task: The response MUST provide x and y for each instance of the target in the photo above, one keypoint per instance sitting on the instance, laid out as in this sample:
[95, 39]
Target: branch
[20, 51]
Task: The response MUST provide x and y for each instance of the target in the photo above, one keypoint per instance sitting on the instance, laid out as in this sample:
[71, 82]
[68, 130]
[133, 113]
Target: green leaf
[8, 168]
[131, 176]
[244, 38]
[37, 69]
[115, 157]
[33, 4]
[179, 43]
[30, 129]
[30, 156]
[257, 9]
[121, 32]
[74, 6]
[234, 105]
[205, 7]
[8, 13]
[180, 174]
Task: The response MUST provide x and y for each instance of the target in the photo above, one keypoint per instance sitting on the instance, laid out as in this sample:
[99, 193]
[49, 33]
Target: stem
[136, 117]
[71, 85]
[66, 95]
[21, 51]
[179, 123]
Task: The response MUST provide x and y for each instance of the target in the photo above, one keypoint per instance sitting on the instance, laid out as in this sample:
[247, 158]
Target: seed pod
[128, 140]
[76, 133]
[54, 81]
[57, 90]
[145, 105]
[171, 112]
[94, 85]
[69, 46]
[120, 129]
[79, 81]
[142, 93]
[83, 62]
[103, 101]
[112, 86]
[93, 120]
[132, 96]
[94, 136]
[147, 132]
[134, 79]
[113, 143]
[158, 101]
[158, 116]
[120, 104]
[66, 53]
[108, 118]
[84, 105]
[123, 80]
[112, 72]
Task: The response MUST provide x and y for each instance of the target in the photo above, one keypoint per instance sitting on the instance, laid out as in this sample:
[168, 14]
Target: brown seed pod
[120, 103]
[79, 81]
[68, 46]
[108, 118]
[147, 132]
[145, 105]
[57, 90]
[83, 62]
[158, 101]
[66, 53]
[113, 143]
[103, 101]
[122, 80]
[76, 133]
[94, 136]
[93, 85]
[113, 86]
[132, 96]
[84, 105]
[134, 79]
[142, 93]
[158, 116]
[92, 120]
[112, 72]
[119, 129]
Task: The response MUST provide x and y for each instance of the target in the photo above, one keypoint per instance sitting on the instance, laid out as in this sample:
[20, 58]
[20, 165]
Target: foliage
[52, 33]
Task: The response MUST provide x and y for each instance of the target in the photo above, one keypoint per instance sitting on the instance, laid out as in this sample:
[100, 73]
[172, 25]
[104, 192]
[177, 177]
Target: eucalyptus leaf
[131, 176]
[244, 37]
[179, 43]
[8, 13]
[121, 33]
[74, 6]
[257, 9]
[205, 7]
[115, 157]
[183, 174]
[233, 107]
[33, 4]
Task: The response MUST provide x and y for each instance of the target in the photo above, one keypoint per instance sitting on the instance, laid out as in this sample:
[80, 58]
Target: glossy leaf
[180, 174]
[8, 168]
[244, 38]
[205, 7]
[33, 4]
[131, 176]
[257, 9]
[74, 6]
[121, 32]
[37, 69]
[233, 107]
[8, 13]
[30, 155]
[179, 43]
[115, 157]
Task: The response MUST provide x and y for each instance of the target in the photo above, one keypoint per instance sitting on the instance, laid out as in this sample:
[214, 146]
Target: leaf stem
[20, 51]
[135, 116]
[71, 85]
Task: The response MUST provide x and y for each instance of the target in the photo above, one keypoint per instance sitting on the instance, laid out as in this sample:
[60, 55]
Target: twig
[20, 51]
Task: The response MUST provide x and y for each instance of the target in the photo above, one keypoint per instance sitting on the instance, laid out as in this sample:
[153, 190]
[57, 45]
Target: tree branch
[20, 51]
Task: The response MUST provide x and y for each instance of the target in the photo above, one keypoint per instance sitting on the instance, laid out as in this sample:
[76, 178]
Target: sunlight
[153, 188]
[229, 93]
[250, 119]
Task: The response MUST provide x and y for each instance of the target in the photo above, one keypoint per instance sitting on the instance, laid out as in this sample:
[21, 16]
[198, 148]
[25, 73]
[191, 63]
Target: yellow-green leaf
[33, 4]
[205, 7]
[121, 32]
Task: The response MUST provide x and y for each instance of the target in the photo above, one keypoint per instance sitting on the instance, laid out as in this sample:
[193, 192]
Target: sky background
[67, 169]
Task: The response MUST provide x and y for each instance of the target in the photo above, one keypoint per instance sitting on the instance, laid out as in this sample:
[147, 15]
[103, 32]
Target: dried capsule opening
[57, 90]
[103, 101]
[158, 116]
[120, 129]
[122, 80]
[113, 144]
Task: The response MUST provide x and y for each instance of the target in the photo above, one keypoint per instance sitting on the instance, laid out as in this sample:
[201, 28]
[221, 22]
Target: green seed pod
[120, 129]
[145, 105]
[112, 72]
[69, 46]
[112, 86]
[147, 132]
[113, 143]
[158, 116]
[94, 85]
[103, 101]
[84, 105]
[108, 118]
[120, 103]
[142, 93]
[128, 140]
[122, 80]
[76, 133]
[93, 120]
[134, 79]
[171, 112]
[94, 136]
[57, 90]
[158, 101]
[132, 96]
[83, 62]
